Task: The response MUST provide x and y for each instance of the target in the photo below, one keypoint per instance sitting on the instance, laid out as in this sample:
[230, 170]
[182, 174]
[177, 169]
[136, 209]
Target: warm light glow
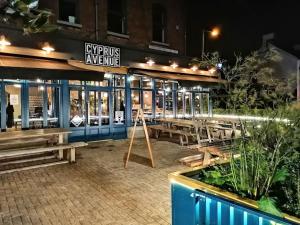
[215, 32]
[150, 62]
[47, 48]
[41, 88]
[4, 42]
[174, 65]
[194, 68]
[107, 75]
[38, 80]
[212, 70]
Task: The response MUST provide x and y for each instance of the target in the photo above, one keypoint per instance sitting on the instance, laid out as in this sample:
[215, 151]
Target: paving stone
[96, 189]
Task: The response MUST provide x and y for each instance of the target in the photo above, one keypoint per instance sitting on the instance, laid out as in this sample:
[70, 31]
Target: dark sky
[242, 22]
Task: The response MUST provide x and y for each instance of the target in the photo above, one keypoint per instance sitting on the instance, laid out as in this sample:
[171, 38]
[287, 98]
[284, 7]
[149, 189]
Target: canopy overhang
[12, 67]
[186, 78]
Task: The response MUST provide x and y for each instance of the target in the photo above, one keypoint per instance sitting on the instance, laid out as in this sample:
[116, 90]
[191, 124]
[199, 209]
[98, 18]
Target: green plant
[34, 20]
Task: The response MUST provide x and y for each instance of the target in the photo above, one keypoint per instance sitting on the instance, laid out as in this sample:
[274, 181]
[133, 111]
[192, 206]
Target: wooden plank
[191, 158]
[27, 160]
[33, 167]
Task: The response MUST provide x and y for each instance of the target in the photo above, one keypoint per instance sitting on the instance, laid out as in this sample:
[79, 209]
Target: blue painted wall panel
[193, 207]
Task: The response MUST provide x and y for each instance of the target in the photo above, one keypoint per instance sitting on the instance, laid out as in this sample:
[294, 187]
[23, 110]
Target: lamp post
[215, 32]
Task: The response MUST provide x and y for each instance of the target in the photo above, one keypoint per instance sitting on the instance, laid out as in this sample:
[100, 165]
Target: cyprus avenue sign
[101, 55]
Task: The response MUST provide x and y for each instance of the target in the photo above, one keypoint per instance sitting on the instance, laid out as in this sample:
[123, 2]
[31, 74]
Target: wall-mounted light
[48, 48]
[4, 42]
[174, 65]
[150, 62]
[41, 88]
[194, 68]
[107, 75]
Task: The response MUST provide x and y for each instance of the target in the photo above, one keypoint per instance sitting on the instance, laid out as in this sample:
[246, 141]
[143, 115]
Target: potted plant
[260, 187]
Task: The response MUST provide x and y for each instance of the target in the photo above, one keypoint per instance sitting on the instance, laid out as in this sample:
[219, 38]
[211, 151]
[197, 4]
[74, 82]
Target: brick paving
[96, 189]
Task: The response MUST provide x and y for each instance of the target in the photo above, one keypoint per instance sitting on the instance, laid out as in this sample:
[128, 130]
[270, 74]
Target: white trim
[77, 25]
[163, 49]
[110, 33]
[160, 43]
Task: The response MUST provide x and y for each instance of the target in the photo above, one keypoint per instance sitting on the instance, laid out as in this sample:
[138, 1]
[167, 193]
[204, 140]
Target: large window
[69, 11]
[117, 21]
[36, 106]
[159, 21]
[119, 106]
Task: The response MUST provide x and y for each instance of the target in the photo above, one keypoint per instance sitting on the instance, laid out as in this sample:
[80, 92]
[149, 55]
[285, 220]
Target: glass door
[13, 106]
[97, 112]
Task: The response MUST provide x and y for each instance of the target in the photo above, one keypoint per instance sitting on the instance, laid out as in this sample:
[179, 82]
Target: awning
[102, 69]
[47, 69]
[193, 80]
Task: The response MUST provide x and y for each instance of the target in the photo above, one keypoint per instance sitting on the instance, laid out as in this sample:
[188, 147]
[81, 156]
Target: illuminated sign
[101, 55]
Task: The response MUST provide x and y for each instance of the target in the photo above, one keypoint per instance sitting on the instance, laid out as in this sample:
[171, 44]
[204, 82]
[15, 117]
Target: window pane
[205, 97]
[169, 104]
[36, 106]
[197, 104]
[159, 84]
[77, 108]
[135, 99]
[104, 108]
[119, 106]
[135, 81]
[159, 102]
[93, 108]
[168, 85]
[179, 104]
[147, 82]
[53, 106]
[13, 108]
[68, 11]
[147, 99]
[119, 81]
[188, 104]
[117, 16]
[76, 82]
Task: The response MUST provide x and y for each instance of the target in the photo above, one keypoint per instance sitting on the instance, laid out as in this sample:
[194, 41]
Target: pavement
[96, 189]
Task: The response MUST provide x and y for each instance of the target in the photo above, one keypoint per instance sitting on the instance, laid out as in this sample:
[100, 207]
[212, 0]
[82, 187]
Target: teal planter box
[196, 203]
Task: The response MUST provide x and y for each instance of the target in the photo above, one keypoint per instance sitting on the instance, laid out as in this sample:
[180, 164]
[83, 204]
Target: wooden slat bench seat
[156, 130]
[59, 148]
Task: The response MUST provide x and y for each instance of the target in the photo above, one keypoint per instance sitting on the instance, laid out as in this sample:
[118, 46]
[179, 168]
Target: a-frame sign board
[140, 114]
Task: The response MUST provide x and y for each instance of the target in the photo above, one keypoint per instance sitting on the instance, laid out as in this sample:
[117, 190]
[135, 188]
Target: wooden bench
[71, 148]
[157, 129]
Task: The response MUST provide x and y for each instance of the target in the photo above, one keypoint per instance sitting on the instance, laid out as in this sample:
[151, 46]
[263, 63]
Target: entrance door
[13, 106]
[98, 118]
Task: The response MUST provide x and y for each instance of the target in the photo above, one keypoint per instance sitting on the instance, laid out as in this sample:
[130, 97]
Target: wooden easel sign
[140, 114]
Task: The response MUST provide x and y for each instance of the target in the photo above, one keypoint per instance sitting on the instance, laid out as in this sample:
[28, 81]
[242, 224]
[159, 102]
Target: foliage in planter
[34, 20]
[268, 157]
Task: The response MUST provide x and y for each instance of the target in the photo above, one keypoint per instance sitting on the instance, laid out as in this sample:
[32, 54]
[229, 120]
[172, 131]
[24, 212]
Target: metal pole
[298, 80]
[203, 43]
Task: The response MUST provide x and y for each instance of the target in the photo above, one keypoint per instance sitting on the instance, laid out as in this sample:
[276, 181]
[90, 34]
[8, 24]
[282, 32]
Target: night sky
[243, 22]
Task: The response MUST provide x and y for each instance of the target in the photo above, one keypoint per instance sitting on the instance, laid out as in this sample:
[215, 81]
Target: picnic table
[36, 133]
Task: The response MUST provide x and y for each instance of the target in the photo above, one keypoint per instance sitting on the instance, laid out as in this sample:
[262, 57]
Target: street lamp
[215, 32]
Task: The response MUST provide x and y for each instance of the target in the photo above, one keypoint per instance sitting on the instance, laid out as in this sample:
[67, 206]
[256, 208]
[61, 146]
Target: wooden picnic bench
[16, 145]
[156, 130]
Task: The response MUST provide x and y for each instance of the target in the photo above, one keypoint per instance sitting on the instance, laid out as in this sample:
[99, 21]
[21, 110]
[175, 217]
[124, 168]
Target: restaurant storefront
[93, 100]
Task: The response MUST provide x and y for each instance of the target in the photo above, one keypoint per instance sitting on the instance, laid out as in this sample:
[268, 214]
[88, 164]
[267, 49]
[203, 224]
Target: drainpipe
[96, 20]
[298, 80]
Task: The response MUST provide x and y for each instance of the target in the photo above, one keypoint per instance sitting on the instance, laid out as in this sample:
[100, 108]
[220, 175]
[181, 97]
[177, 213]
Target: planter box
[197, 203]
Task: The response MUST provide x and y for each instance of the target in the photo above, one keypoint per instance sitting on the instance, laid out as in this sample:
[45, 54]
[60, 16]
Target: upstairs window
[69, 11]
[159, 22]
[117, 21]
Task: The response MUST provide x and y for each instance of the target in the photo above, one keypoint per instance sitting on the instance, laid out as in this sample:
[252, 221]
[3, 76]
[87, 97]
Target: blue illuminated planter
[197, 203]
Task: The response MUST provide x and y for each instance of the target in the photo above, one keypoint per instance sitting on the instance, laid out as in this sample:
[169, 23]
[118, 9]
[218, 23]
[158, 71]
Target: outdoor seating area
[200, 130]
[20, 147]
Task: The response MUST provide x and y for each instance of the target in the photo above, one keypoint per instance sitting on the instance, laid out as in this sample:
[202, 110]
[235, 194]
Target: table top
[12, 135]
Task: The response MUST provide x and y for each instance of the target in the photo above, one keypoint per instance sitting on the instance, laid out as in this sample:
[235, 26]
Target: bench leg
[60, 154]
[72, 155]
